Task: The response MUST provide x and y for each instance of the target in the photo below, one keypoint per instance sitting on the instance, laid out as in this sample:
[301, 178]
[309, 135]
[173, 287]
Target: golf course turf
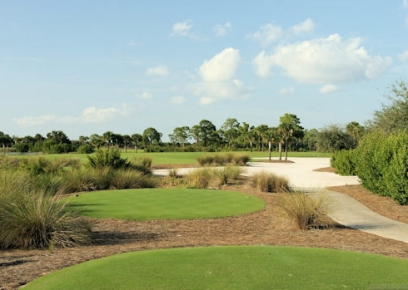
[246, 267]
[159, 203]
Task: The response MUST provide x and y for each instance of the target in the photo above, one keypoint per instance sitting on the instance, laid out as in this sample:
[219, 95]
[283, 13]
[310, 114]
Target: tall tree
[5, 141]
[180, 135]
[261, 134]
[289, 127]
[207, 133]
[96, 140]
[126, 141]
[59, 137]
[151, 136]
[107, 138]
[394, 115]
[246, 134]
[194, 133]
[136, 139]
[271, 136]
[230, 130]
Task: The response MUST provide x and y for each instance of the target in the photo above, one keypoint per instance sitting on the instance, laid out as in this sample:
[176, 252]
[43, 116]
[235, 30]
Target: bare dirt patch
[267, 227]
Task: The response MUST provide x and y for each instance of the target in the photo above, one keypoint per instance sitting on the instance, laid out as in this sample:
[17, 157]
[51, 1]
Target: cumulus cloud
[30, 121]
[160, 70]
[306, 26]
[144, 96]
[287, 91]
[222, 29]
[326, 89]
[323, 61]
[403, 56]
[178, 100]
[181, 28]
[218, 78]
[88, 115]
[268, 34]
[221, 67]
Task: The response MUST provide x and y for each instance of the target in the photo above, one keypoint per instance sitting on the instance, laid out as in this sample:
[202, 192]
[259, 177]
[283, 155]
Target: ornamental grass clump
[307, 211]
[36, 219]
[269, 182]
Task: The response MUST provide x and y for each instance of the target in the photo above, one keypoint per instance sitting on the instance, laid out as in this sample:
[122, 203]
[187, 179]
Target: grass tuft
[307, 211]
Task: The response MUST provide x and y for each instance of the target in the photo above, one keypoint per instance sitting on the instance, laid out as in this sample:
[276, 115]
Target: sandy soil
[268, 227]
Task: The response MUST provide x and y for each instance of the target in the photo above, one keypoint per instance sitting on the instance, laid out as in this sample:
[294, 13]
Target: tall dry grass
[307, 211]
[269, 182]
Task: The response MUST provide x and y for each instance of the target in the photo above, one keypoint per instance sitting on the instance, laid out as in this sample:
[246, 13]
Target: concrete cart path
[345, 210]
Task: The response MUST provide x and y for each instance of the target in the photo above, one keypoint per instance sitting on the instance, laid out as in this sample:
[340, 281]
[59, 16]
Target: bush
[199, 178]
[107, 158]
[382, 164]
[86, 149]
[269, 182]
[306, 211]
[223, 159]
[35, 219]
[344, 162]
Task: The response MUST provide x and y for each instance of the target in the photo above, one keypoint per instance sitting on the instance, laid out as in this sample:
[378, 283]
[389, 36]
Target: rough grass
[236, 268]
[35, 219]
[269, 182]
[307, 211]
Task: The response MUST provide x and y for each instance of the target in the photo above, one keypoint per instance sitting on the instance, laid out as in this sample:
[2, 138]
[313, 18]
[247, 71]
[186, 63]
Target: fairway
[159, 203]
[232, 268]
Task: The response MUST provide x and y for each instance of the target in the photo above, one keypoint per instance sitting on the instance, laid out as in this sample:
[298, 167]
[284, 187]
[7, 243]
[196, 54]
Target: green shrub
[142, 164]
[382, 164]
[344, 162]
[269, 182]
[241, 159]
[223, 159]
[107, 158]
[86, 149]
[36, 219]
[306, 211]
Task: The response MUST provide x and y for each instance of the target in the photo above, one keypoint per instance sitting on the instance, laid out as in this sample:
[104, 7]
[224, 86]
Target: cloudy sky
[87, 67]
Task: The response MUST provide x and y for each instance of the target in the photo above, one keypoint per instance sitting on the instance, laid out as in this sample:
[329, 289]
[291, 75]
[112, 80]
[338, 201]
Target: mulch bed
[267, 227]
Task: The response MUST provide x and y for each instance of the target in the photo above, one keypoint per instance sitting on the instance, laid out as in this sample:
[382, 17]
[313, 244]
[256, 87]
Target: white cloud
[144, 96]
[326, 89]
[306, 26]
[222, 29]
[403, 56]
[287, 91]
[268, 34]
[213, 92]
[221, 67]
[323, 61]
[30, 121]
[89, 115]
[218, 78]
[178, 100]
[158, 71]
[182, 28]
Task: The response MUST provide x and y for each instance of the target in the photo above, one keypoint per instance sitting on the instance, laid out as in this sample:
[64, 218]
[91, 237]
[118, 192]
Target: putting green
[232, 268]
[159, 203]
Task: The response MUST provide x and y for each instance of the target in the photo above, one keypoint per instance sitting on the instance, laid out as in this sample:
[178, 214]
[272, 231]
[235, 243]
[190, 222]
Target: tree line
[289, 135]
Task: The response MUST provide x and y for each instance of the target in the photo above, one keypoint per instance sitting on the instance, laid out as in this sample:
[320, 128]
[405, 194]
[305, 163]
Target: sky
[86, 67]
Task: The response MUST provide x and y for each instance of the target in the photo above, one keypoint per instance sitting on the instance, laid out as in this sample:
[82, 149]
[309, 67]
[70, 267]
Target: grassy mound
[152, 204]
[231, 268]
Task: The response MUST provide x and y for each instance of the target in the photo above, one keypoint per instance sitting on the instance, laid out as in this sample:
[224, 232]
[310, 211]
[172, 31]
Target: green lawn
[232, 268]
[181, 157]
[159, 203]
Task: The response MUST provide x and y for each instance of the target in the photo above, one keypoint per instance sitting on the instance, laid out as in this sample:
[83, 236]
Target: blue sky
[87, 67]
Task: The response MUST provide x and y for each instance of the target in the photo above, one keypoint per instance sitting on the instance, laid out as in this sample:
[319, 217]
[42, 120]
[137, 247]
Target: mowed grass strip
[159, 203]
[232, 268]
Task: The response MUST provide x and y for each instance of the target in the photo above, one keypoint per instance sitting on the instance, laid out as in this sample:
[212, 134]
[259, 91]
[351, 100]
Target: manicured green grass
[232, 268]
[160, 203]
[183, 157]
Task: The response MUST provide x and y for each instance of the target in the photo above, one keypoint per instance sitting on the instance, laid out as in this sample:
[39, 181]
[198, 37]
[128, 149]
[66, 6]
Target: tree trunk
[280, 151]
[270, 150]
[286, 150]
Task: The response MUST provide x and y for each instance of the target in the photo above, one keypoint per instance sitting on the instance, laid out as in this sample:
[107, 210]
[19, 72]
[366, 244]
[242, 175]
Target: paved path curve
[345, 210]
